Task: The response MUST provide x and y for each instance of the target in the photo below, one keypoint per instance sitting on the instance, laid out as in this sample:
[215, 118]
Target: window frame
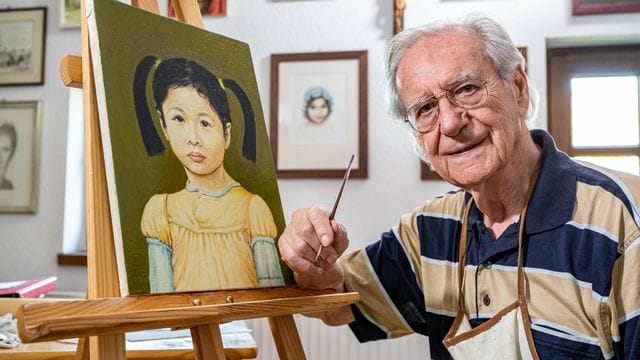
[567, 62]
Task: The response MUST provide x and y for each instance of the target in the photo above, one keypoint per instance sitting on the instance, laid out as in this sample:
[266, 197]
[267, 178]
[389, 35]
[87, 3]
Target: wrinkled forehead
[436, 61]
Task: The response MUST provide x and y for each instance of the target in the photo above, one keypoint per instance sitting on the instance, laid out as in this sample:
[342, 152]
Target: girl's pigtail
[249, 141]
[150, 137]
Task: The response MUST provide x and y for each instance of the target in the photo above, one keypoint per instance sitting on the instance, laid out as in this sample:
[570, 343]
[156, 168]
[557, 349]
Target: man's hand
[299, 244]
[301, 241]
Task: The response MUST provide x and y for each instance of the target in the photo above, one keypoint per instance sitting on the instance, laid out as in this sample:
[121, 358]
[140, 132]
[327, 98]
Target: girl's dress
[201, 241]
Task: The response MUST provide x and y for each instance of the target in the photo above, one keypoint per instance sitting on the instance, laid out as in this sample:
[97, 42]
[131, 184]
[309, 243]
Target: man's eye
[205, 123]
[178, 118]
[466, 89]
[426, 109]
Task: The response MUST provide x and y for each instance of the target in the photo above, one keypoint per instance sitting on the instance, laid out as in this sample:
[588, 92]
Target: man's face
[468, 146]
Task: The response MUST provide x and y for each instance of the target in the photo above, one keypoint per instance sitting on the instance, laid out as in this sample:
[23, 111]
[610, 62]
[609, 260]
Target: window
[74, 246]
[594, 104]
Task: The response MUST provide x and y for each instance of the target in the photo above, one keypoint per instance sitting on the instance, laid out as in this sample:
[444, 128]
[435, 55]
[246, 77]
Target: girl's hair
[316, 92]
[179, 72]
[10, 131]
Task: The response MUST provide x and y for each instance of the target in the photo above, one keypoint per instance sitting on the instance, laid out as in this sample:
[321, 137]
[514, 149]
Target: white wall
[30, 242]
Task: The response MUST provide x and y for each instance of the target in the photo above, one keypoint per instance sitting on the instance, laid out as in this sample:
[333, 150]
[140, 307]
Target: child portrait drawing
[212, 234]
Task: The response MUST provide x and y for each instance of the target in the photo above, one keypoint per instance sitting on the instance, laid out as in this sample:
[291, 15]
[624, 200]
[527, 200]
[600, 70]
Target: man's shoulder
[450, 204]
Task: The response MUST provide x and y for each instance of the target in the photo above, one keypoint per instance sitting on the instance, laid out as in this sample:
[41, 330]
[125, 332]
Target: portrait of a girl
[213, 233]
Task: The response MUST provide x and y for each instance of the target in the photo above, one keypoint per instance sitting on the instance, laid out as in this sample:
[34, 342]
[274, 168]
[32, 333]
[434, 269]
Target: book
[33, 288]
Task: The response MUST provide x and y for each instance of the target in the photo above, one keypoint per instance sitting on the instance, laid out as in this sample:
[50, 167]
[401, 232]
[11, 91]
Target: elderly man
[536, 256]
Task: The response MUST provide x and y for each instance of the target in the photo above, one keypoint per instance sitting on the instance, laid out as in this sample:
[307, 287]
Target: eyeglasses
[422, 116]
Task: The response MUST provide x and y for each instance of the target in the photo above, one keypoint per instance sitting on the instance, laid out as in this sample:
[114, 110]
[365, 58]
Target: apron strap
[462, 251]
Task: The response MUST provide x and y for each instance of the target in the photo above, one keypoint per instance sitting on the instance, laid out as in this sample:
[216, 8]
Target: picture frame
[22, 46]
[207, 8]
[318, 114]
[19, 155]
[70, 16]
[593, 7]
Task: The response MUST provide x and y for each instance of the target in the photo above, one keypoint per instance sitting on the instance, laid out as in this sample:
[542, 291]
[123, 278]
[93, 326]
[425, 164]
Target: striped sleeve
[391, 301]
[624, 299]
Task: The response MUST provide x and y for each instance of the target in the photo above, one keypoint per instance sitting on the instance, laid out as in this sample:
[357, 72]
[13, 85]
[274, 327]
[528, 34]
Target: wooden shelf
[72, 259]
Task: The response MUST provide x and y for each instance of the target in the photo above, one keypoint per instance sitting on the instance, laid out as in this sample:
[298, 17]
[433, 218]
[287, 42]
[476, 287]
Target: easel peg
[71, 71]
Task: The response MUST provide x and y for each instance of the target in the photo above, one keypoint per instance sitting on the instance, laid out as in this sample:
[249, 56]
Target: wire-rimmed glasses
[422, 116]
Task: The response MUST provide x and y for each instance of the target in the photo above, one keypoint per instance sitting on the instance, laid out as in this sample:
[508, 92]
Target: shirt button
[486, 300]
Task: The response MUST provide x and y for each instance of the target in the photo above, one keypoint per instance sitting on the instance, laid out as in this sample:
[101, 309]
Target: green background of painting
[127, 34]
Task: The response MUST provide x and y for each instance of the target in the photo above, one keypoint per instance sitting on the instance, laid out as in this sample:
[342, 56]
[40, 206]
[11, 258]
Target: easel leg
[82, 351]
[207, 342]
[285, 335]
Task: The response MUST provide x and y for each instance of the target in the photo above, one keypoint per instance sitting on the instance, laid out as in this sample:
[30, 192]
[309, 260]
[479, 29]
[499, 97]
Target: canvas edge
[106, 146]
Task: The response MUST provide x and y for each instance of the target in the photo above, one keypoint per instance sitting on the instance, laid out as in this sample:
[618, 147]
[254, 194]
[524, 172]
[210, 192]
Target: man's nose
[451, 118]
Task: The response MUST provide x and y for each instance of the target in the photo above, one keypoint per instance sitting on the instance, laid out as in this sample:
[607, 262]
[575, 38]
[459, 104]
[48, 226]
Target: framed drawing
[207, 8]
[590, 7]
[319, 114]
[22, 34]
[19, 155]
[69, 13]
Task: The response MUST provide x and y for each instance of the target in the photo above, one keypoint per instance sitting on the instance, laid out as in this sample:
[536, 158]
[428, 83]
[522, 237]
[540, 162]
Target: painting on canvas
[192, 188]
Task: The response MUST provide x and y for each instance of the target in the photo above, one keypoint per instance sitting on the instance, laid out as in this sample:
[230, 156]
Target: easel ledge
[53, 321]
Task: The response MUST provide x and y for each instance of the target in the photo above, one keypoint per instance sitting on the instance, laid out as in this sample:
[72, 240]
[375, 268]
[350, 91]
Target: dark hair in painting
[180, 72]
[10, 131]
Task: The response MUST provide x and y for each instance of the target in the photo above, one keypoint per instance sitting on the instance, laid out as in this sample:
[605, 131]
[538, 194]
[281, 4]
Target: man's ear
[163, 124]
[522, 91]
[227, 135]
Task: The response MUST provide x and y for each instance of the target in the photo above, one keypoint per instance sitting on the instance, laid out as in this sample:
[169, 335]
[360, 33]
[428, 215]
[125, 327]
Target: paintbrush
[335, 204]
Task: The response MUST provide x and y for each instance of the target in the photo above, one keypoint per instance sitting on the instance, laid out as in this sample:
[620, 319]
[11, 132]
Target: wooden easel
[101, 321]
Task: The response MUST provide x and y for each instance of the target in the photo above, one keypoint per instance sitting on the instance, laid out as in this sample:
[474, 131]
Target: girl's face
[195, 131]
[317, 110]
[6, 150]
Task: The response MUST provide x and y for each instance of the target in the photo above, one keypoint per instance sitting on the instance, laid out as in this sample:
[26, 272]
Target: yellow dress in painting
[209, 236]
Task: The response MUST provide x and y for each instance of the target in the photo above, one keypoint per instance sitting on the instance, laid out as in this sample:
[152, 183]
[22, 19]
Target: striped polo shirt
[581, 262]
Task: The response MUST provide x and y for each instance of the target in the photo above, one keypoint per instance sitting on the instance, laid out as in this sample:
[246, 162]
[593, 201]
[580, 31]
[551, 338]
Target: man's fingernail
[331, 259]
[324, 239]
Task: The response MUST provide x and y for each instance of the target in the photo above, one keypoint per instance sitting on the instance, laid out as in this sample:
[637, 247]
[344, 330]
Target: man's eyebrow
[452, 82]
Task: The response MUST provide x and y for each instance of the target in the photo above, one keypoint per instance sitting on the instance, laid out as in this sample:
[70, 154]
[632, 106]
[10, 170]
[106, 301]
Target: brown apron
[507, 335]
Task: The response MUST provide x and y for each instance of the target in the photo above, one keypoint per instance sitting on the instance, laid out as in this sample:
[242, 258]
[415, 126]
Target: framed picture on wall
[69, 13]
[22, 33]
[319, 114]
[19, 155]
[590, 7]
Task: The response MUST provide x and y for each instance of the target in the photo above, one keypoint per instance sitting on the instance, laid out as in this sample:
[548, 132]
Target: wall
[30, 242]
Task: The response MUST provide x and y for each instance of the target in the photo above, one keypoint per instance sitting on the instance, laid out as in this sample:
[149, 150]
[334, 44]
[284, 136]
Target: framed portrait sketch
[192, 188]
[22, 35]
[69, 13]
[591, 7]
[319, 114]
[19, 155]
